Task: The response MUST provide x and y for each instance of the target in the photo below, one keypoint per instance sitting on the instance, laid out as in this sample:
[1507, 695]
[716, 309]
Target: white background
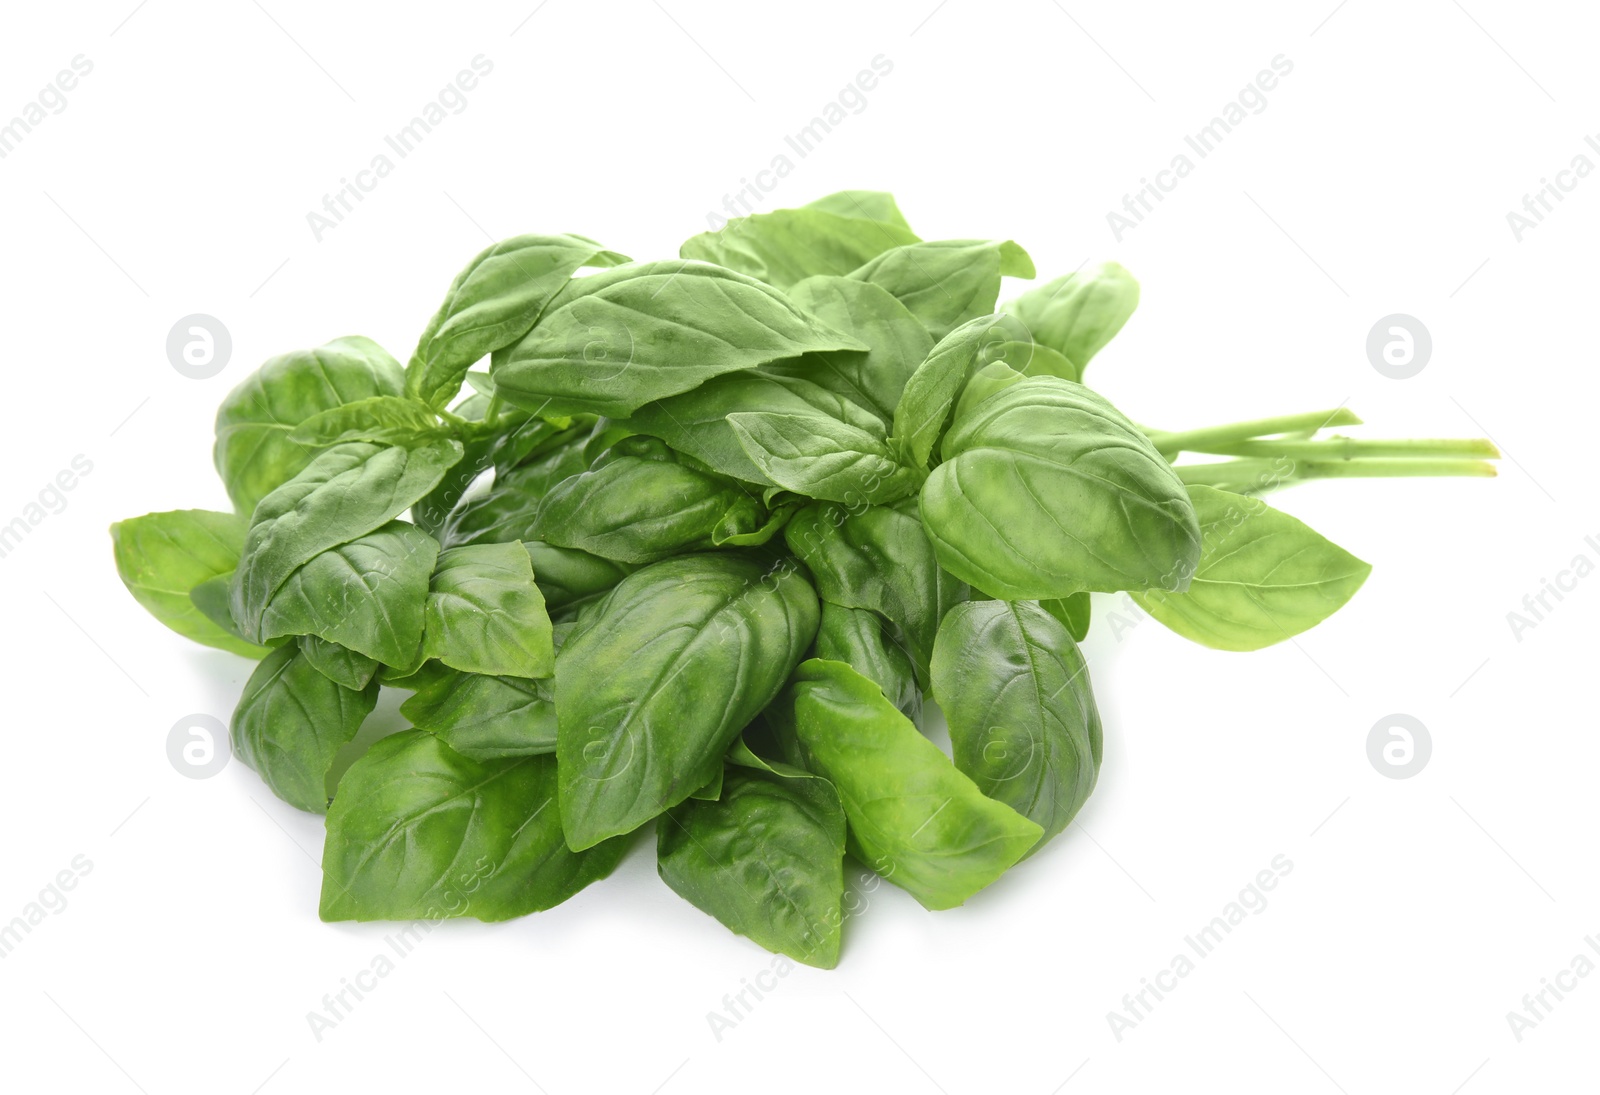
[1377, 180]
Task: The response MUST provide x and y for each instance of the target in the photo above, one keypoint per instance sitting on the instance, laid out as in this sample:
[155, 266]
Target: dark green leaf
[1047, 490]
[1023, 723]
[614, 341]
[822, 457]
[878, 558]
[346, 492]
[660, 676]
[485, 614]
[483, 717]
[366, 595]
[491, 304]
[420, 832]
[253, 452]
[766, 859]
[290, 723]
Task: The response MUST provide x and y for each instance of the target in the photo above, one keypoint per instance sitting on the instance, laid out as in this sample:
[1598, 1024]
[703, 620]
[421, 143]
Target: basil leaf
[695, 423]
[253, 452]
[1078, 314]
[878, 558]
[491, 304]
[944, 283]
[822, 457]
[766, 859]
[1072, 611]
[913, 817]
[163, 557]
[338, 663]
[614, 341]
[867, 643]
[1023, 723]
[346, 492]
[387, 419]
[292, 721]
[923, 411]
[788, 245]
[896, 342]
[484, 614]
[568, 577]
[639, 504]
[1046, 490]
[506, 511]
[483, 717]
[213, 599]
[1263, 576]
[366, 595]
[659, 677]
[867, 205]
[420, 832]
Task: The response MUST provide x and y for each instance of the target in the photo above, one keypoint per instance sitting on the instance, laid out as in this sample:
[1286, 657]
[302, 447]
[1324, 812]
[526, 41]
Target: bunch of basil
[695, 550]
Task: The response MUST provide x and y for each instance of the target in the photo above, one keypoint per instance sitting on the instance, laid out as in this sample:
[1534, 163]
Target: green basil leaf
[878, 558]
[1023, 723]
[292, 721]
[659, 677]
[614, 341]
[338, 663]
[213, 599]
[1047, 490]
[867, 205]
[483, 717]
[253, 452]
[896, 342]
[163, 557]
[491, 304]
[867, 643]
[485, 614]
[1078, 314]
[366, 595]
[419, 832]
[505, 512]
[386, 419]
[695, 423]
[945, 283]
[913, 817]
[822, 457]
[1072, 611]
[766, 859]
[1263, 576]
[923, 411]
[788, 245]
[639, 504]
[568, 577]
[346, 492]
